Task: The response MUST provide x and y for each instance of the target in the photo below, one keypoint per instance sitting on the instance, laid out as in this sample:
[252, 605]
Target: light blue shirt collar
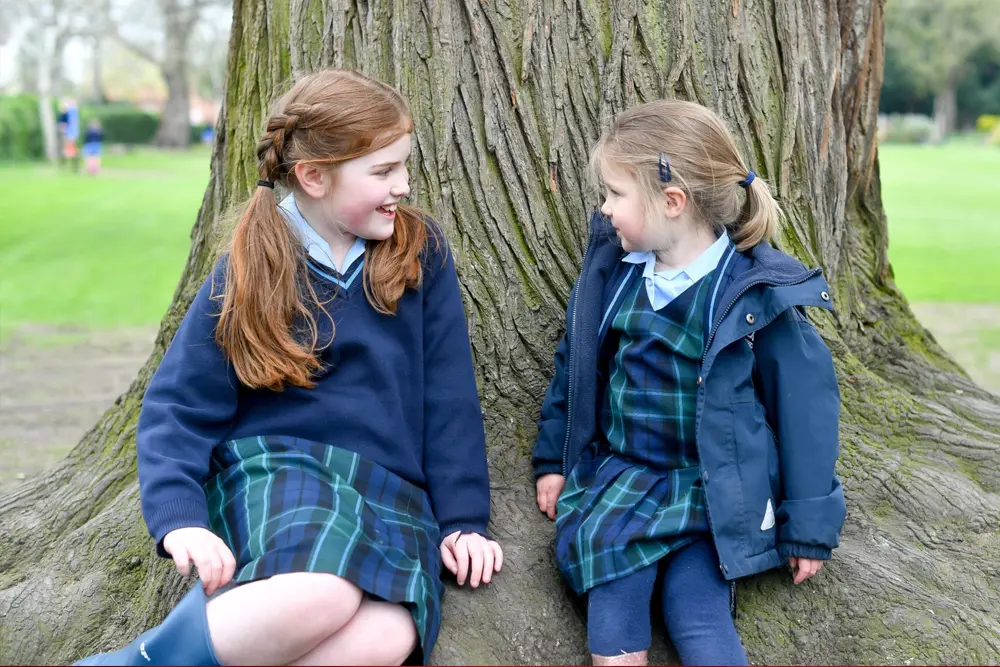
[314, 244]
[662, 287]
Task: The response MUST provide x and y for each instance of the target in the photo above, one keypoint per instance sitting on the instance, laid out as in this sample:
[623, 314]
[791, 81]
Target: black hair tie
[266, 184]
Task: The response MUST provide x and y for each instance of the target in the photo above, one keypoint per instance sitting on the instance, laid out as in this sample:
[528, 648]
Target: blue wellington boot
[182, 639]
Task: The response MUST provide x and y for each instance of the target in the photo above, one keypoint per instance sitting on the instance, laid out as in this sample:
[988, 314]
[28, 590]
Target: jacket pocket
[757, 462]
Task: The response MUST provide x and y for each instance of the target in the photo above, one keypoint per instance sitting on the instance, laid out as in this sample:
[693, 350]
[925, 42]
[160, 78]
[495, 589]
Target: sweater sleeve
[454, 439]
[798, 386]
[186, 411]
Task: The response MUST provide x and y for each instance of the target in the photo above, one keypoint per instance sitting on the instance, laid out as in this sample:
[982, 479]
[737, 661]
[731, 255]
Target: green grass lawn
[943, 206]
[98, 252]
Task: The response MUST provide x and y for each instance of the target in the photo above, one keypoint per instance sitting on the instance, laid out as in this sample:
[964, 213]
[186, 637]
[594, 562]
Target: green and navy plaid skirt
[615, 517]
[284, 504]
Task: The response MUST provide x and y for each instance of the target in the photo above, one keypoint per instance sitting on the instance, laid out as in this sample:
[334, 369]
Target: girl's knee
[324, 601]
[400, 635]
[710, 612]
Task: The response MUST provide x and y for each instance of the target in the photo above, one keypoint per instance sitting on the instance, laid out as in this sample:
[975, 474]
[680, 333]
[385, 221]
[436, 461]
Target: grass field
[943, 206]
[98, 252]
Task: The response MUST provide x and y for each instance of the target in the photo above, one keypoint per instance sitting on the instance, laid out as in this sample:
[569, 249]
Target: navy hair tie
[266, 184]
[745, 183]
[664, 166]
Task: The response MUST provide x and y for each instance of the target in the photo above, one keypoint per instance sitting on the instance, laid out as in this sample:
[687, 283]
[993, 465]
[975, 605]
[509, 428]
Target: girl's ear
[312, 179]
[675, 200]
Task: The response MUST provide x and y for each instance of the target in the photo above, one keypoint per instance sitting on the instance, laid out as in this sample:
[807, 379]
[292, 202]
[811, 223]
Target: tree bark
[175, 123]
[508, 97]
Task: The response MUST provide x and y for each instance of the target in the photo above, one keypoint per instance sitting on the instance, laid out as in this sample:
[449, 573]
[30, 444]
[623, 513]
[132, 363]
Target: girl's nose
[401, 188]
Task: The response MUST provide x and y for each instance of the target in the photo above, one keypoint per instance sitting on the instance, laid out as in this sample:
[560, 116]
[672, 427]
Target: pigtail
[760, 216]
[261, 301]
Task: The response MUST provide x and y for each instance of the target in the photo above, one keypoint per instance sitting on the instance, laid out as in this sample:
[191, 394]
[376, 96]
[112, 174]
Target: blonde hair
[703, 161]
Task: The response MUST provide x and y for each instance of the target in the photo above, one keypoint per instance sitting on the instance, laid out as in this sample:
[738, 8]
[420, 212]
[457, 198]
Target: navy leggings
[696, 607]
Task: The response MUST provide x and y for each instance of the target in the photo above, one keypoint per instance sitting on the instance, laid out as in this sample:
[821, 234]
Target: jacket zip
[569, 360]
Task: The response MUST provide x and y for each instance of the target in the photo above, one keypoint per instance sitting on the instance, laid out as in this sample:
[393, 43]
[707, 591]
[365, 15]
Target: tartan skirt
[616, 516]
[285, 504]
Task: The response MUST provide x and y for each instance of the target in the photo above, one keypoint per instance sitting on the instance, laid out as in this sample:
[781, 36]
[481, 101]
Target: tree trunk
[508, 97]
[47, 53]
[175, 123]
[946, 108]
[96, 71]
[63, 34]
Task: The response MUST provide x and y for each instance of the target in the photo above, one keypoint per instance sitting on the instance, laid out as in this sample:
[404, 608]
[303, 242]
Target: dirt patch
[970, 332]
[54, 385]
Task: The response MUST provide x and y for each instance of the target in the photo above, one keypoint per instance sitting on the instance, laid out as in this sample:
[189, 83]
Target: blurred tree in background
[934, 50]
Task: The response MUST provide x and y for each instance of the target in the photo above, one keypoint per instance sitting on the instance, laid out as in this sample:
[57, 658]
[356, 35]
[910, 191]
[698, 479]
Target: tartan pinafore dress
[636, 494]
[284, 504]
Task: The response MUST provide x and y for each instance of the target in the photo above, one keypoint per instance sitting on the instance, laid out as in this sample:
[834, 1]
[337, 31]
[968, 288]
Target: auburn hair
[703, 161]
[267, 321]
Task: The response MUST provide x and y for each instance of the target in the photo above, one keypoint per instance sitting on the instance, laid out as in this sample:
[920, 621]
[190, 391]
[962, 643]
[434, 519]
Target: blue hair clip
[664, 166]
[745, 183]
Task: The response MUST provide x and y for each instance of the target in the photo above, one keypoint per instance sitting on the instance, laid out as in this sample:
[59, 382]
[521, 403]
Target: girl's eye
[384, 172]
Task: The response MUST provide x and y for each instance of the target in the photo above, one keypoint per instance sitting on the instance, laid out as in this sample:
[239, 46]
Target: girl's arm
[187, 410]
[454, 440]
[548, 454]
[798, 387]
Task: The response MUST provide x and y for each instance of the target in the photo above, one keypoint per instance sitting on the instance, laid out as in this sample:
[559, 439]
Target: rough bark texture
[508, 98]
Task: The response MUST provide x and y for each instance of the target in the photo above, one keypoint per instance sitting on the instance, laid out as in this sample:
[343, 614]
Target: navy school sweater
[398, 390]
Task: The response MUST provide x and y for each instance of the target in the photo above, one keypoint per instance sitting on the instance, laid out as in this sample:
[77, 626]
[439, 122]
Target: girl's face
[623, 203]
[363, 196]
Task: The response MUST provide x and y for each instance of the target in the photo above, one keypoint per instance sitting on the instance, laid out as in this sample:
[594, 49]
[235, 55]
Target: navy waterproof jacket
[768, 402]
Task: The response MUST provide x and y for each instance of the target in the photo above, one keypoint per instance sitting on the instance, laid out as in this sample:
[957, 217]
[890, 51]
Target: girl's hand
[211, 556]
[803, 568]
[458, 550]
[548, 488]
